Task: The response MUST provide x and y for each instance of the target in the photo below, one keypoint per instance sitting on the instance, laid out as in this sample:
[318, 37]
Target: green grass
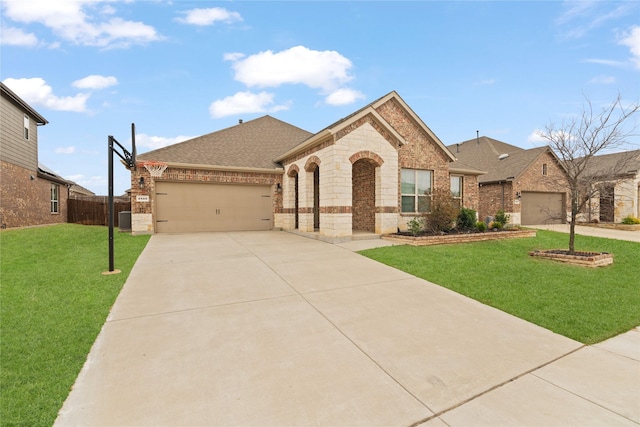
[586, 304]
[53, 302]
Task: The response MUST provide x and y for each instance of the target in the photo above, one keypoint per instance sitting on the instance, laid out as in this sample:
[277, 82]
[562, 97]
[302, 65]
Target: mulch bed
[456, 237]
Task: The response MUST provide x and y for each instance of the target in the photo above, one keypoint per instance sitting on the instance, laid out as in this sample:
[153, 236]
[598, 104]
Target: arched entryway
[363, 190]
[312, 166]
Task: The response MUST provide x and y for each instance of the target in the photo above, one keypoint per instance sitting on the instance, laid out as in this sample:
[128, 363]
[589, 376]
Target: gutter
[222, 168]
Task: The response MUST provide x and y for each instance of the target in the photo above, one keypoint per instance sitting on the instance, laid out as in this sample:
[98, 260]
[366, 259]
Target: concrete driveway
[275, 329]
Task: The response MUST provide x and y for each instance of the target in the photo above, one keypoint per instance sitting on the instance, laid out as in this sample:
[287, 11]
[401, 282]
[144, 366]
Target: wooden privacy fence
[94, 210]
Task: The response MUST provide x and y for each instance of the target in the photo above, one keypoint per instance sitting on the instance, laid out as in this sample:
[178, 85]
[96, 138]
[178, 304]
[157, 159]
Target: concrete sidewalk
[274, 329]
[609, 233]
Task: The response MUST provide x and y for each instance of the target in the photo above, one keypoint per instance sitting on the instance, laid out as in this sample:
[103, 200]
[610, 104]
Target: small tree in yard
[578, 140]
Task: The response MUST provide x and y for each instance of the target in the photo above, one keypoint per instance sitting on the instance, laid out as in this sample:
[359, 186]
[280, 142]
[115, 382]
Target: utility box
[124, 220]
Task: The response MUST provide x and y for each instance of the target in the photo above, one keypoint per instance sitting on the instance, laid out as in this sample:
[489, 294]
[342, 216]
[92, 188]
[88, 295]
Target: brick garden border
[458, 238]
[587, 259]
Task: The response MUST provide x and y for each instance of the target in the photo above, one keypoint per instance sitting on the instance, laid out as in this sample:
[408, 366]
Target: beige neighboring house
[371, 171]
[619, 194]
[529, 185]
[30, 193]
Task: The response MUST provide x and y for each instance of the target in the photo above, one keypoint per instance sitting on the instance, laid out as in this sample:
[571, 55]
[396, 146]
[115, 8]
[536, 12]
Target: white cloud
[10, 36]
[603, 80]
[65, 150]
[326, 70]
[95, 82]
[608, 62]
[632, 40]
[80, 21]
[154, 142]
[344, 96]
[36, 91]
[204, 17]
[536, 138]
[233, 56]
[244, 102]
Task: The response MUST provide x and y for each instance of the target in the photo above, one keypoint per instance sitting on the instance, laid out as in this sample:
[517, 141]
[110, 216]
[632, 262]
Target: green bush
[630, 220]
[501, 218]
[481, 226]
[443, 212]
[496, 225]
[466, 218]
[415, 226]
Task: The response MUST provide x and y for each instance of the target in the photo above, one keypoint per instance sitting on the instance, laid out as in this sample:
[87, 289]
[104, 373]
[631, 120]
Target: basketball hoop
[155, 168]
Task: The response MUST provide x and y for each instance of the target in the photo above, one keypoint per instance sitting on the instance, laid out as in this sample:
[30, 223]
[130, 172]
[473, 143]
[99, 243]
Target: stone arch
[293, 170]
[312, 163]
[369, 155]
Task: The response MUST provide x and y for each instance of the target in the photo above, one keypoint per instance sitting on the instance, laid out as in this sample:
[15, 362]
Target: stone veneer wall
[25, 202]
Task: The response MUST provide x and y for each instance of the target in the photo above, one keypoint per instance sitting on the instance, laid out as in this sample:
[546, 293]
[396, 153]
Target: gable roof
[619, 164]
[370, 108]
[502, 161]
[252, 144]
[26, 107]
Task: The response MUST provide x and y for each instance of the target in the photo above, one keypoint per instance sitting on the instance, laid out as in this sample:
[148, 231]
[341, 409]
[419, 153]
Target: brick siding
[26, 202]
[364, 195]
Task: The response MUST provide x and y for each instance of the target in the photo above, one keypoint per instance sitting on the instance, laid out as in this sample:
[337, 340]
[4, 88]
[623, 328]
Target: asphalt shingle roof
[252, 144]
[627, 162]
[500, 160]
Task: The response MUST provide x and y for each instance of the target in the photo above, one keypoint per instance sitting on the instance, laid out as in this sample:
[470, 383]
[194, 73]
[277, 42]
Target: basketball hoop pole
[130, 161]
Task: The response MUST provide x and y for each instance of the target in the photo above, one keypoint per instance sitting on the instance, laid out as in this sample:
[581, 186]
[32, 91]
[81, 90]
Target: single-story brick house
[370, 171]
[531, 185]
[30, 193]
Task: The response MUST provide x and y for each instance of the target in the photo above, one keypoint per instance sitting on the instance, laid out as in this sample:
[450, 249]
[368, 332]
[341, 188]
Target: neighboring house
[617, 177]
[372, 171]
[529, 185]
[78, 191]
[30, 194]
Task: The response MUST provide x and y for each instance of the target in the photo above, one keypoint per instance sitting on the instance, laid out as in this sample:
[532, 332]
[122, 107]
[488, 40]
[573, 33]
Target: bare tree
[578, 140]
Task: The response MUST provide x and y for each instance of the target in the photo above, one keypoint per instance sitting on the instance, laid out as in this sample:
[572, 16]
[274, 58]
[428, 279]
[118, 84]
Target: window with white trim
[456, 189]
[55, 198]
[415, 188]
[26, 127]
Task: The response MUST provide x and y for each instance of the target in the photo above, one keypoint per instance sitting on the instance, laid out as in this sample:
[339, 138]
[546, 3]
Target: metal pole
[111, 262]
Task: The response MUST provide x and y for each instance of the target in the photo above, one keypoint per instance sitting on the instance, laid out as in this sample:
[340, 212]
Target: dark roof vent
[240, 121]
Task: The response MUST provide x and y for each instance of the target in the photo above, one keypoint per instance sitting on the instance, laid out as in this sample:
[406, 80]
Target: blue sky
[180, 69]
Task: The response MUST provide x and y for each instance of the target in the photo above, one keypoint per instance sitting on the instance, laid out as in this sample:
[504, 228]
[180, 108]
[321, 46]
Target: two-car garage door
[190, 207]
[542, 208]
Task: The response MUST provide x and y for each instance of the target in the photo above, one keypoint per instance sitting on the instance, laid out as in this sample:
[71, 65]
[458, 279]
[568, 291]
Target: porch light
[141, 182]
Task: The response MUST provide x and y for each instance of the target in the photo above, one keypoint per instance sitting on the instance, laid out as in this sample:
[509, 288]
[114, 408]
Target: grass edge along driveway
[588, 305]
[53, 303]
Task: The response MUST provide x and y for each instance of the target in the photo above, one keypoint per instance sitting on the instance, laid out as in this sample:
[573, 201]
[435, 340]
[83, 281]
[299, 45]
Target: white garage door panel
[542, 208]
[189, 207]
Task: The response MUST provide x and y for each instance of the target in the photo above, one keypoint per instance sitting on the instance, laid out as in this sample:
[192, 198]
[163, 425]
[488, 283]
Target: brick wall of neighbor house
[25, 201]
[494, 197]
[141, 212]
[532, 179]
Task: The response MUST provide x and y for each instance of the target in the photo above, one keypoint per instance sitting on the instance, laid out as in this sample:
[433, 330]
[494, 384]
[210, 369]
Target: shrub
[481, 226]
[466, 218]
[415, 226]
[443, 212]
[630, 220]
[496, 225]
[501, 218]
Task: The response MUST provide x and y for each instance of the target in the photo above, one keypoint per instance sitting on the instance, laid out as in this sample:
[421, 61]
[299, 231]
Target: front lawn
[586, 304]
[54, 300]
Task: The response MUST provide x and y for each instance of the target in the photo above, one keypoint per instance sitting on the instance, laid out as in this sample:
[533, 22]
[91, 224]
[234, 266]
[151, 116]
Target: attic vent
[503, 156]
[240, 121]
